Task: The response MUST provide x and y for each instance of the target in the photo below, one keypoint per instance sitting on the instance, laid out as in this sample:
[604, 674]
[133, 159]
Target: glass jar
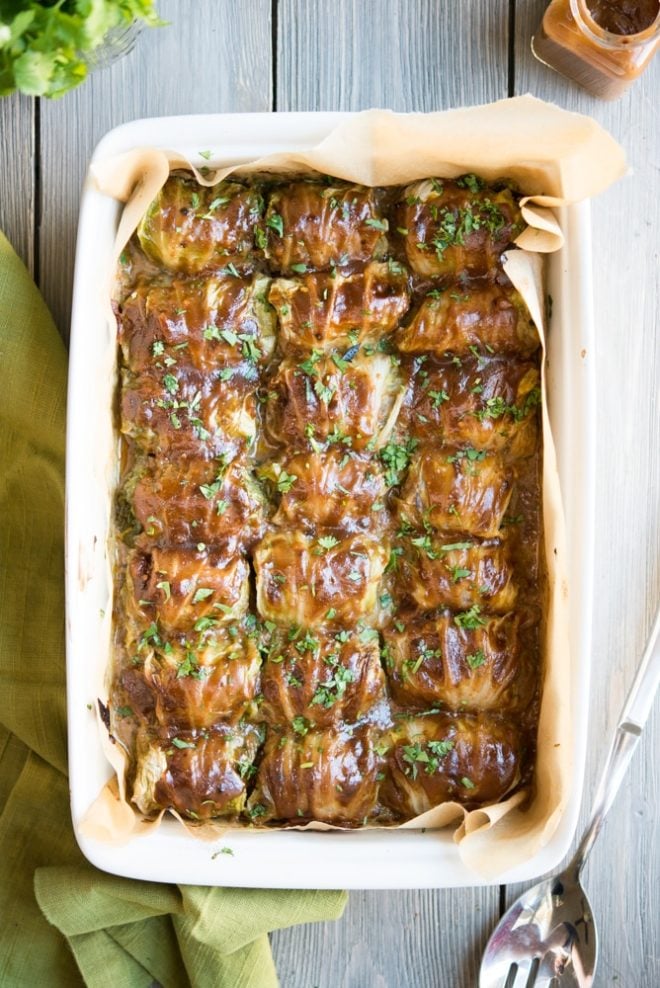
[603, 61]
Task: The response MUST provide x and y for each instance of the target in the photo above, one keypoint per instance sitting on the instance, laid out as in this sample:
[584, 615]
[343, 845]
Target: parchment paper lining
[555, 157]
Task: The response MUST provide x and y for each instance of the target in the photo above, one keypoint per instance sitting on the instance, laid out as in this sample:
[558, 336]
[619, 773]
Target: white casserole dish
[367, 859]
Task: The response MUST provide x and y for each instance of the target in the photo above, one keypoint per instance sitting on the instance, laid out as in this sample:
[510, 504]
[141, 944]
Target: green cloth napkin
[120, 933]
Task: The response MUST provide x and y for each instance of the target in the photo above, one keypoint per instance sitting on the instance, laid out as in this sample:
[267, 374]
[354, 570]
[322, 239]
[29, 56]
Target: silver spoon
[547, 939]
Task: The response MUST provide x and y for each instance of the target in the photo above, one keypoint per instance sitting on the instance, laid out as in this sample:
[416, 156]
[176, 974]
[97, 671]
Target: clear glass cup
[570, 41]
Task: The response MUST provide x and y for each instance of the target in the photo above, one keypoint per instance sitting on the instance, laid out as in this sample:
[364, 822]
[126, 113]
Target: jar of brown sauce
[602, 44]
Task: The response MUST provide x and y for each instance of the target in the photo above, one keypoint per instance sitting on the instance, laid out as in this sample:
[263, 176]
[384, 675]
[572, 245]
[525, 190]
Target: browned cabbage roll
[313, 227]
[328, 776]
[196, 502]
[206, 323]
[193, 681]
[472, 759]
[481, 404]
[315, 401]
[318, 581]
[181, 412]
[337, 489]
[458, 575]
[314, 680]
[201, 775]
[178, 587]
[457, 228]
[439, 662]
[190, 227]
[491, 318]
[453, 493]
[323, 311]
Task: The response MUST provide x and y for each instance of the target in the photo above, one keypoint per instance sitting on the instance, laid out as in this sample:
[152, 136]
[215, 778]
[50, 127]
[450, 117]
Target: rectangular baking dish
[289, 859]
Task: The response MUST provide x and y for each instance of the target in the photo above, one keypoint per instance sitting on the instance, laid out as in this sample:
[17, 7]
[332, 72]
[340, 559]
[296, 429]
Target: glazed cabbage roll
[195, 502]
[180, 412]
[190, 227]
[206, 323]
[472, 759]
[323, 311]
[315, 401]
[200, 775]
[313, 227]
[458, 575]
[340, 490]
[328, 776]
[456, 494]
[176, 588]
[492, 318]
[457, 228]
[318, 581]
[487, 405]
[194, 681]
[314, 680]
[479, 667]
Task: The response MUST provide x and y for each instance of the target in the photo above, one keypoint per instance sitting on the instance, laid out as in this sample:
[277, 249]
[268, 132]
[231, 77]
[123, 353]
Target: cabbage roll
[206, 323]
[457, 228]
[314, 680]
[472, 759]
[179, 587]
[487, 405]
[328, 776]
[454, 493]
[200, 775]
[194, 681]
[479, 667]
[315, 401]
[323, 311]
[190, 227]
[313, 582]
[180, 412]
[458, 575]
[313, 227]
[493, 319]
[339, 490]
[195, 502]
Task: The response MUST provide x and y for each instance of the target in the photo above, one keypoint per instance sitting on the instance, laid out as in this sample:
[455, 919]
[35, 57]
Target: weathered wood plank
[419, 55]
[402, 939]
[623, 874]
[217, 60]
[17, 199]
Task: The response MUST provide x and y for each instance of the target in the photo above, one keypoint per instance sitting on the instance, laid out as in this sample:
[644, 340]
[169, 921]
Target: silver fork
[548, 939]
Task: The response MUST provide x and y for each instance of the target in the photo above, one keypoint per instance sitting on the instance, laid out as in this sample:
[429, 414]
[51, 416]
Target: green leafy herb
[476, 659]
[299, 268]
[396, 457]
[179, 743]
[276, 223]
[471, 619]
[202, 593]
[327, 542]
[285, 482]
[382, 225]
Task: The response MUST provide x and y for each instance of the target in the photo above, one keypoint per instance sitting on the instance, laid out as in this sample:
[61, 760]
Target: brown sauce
[624, 17]
[329, 576]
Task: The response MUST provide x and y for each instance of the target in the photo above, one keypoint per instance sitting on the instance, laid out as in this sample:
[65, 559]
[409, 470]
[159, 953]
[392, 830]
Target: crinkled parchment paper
[555, 157]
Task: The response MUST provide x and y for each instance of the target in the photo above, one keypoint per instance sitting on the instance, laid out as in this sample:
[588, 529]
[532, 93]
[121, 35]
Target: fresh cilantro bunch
[44, 45]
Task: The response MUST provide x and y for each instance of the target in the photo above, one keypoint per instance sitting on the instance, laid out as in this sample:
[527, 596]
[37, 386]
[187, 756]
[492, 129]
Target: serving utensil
[548, 939]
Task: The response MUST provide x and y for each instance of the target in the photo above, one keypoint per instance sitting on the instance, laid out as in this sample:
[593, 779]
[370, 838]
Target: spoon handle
[634, 715]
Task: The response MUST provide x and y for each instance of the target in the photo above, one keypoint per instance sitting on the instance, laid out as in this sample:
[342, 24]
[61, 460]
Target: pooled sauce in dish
[328, 573]
[624, 17]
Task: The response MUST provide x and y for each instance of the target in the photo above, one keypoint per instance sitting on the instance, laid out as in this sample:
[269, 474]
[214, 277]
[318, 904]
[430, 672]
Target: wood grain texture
[402, 939]
[413, 55]
[215, 61]
[17, 155]
[624, 871]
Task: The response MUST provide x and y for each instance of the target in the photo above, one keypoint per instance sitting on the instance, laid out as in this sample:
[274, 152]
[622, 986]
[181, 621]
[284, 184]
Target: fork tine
[531, 977]
[511, 976]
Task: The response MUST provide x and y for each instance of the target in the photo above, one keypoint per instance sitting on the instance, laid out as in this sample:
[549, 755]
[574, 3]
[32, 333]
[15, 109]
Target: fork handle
[634, 715]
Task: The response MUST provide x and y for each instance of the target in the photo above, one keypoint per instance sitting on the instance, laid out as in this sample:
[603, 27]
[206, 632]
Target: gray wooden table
[247, 55]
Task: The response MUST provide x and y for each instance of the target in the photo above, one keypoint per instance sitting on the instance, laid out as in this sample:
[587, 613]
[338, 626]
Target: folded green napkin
[119, 933]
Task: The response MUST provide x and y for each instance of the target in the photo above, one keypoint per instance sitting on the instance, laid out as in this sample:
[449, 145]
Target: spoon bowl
[547, 938]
